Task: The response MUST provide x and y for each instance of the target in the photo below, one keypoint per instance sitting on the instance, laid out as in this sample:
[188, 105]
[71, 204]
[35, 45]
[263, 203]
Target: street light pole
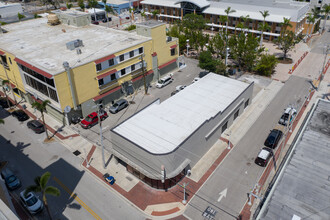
[187, 47]
[101, 135]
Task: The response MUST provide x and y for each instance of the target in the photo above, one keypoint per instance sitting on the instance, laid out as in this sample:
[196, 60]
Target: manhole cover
[129, 178]
[77, 152]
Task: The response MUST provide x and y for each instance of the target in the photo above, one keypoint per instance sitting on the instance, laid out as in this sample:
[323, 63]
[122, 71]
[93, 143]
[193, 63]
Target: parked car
[92, 119]
[31, 202]
[4, 103]
[164, 81]
[75, 119]
[196, 79]
[119, 105]
[180, 87]
[174, 92]
[286, 115]
[11, 181]
[20, 115]
[36, 126]
[263, 157]
[95, 22]
[273, 138]
[104, 20]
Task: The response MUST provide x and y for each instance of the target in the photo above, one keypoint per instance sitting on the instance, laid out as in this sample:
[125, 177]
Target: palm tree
[42, 107]
[6, 82]
[108, 9]
[155, 13]
[310, 20]
[41, 186]
[131, 14]
[143, 15]
[93, 4]
[285, 24]
[81, 4]
[222, 20]
[326, 11]
[227, 11]
[315, 12]
[264, 14]
[2, 121]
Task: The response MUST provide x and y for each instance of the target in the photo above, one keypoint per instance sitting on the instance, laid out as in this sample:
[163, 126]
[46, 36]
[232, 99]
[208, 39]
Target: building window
[111, 62]
[173, 50]
[98, 67]
[113, 76]
[246, 103]
[52, 94]
[121, 58]
[133, 67]
[131, 54]
[101, 82]
[140, 50]
[224, 127]
[236, 114]
[123, 71]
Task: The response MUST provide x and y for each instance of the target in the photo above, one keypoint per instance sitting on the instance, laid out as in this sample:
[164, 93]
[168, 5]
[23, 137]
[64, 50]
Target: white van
[164, 81]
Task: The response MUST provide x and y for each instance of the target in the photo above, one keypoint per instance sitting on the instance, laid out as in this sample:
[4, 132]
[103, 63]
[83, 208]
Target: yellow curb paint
[77, 199]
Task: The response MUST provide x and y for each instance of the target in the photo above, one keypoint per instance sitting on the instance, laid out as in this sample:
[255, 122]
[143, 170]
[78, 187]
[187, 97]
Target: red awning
[106, 74]
[105, 94]
[174, 46]
[104, 59]
[45, 74]
[2, 53]
[168, 63]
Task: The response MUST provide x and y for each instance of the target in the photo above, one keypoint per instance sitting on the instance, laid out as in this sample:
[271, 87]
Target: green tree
[6, 83]
[193, 22]
[325, 11]
[155, 13]
[244, 50]
[143, 15]
[222, 20]
[264, 14]
[221, 68]
[228, 11]
[131, 27]
[207, 62]
[285, 24]
[315, 11]
[286, 42]
[175, 31]
[217, 45]
[310, 20]
[41, 186]
[81, 4]
[266, 65]
[42, 107]
[2, 121]
[131, 14]
[20, 16]
[69, 5]
[93, 4]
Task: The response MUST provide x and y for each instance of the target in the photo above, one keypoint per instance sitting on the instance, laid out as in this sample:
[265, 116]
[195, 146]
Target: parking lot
[139, 100]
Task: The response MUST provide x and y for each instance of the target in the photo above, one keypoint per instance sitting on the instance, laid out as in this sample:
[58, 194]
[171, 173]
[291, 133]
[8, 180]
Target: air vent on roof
[78, 51]
[74, 44]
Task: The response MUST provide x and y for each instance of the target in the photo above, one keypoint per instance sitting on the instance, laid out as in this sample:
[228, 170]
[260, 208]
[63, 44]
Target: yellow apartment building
[73, 63]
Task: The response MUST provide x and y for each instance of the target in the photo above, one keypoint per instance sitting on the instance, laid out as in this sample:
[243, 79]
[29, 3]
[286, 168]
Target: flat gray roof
[150, 23]
[44, 46]
[161, 128]
[302, 188]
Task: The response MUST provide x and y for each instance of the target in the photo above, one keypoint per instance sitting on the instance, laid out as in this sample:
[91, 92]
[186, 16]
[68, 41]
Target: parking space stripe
[77, 198]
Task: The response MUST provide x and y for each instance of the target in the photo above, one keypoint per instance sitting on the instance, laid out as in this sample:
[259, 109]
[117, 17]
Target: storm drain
[77, 152]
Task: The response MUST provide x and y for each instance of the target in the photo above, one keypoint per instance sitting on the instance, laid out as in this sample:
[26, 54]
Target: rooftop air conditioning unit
[74, 44]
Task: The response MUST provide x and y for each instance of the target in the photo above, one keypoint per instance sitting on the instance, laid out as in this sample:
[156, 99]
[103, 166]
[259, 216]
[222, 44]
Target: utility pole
[144, 76]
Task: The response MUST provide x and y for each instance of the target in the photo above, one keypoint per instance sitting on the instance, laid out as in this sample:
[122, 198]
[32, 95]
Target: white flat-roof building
[10, 10]
[169, 10]
[179, 131]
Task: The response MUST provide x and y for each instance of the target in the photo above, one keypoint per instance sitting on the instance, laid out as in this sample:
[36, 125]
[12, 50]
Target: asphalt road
[82, 196]
[237, 173]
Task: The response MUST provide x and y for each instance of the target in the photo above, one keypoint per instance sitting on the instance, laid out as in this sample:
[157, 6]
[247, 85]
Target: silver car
[119, 105]
[12, 182]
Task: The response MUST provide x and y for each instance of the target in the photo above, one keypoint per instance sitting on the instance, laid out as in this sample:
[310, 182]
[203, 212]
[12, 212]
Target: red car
[92, 119]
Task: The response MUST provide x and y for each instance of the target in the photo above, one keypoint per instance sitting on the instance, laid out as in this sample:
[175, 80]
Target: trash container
[110, 180]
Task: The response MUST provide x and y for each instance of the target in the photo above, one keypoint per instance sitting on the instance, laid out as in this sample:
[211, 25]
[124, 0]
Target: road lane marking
[222, 194]
[77, 198]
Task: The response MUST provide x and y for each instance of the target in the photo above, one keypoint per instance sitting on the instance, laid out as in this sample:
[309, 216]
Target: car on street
[273, 138]
[164, 81]
[36, 126]
[20, 115]
[4, 103]
[180, 87]
[196, 79]
[118, 105]
[263, 157]
[31, 202]
[174, 92]
[11, 180]
[92, 119]
[286, 115]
